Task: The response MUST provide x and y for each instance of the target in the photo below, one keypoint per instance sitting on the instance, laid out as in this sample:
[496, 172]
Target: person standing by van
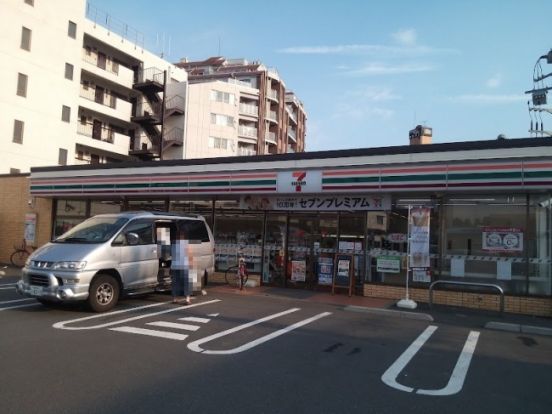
[180, 268]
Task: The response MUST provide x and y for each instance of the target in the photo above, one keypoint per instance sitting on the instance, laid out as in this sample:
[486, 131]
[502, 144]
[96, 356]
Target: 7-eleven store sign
[299, 181]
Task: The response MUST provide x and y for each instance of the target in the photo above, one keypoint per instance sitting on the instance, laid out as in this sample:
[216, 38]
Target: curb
[515, 327]
[390, 312]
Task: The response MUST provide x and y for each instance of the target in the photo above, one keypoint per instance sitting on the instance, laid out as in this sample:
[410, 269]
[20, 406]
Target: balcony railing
[175, 102]
[272, 94]
[96, 131]
[291, 114]
[114, 25]
[270, 137]
[101, 98]
[246, 131]
[249, 109]
[145, 108]
[246, 151]
[174, 135]
[150, 74]
[103, 63]
[272, 115]
[292, 134]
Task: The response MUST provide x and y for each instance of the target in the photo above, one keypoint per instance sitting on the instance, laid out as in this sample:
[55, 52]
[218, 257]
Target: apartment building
[80, 88]
[241, 108]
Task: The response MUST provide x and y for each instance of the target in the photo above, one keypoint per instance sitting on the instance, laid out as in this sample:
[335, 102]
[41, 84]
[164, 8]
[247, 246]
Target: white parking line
[194, 319]
[16, 300]
[62, 325]
[19, 306]
[456, 381]
[183, 326]
[389, 377]
[195, 345]
[8, 286]
[150, 332]
[457, 378]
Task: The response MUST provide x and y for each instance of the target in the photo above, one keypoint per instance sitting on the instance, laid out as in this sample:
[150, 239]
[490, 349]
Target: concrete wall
[47, 88]
[15, 202]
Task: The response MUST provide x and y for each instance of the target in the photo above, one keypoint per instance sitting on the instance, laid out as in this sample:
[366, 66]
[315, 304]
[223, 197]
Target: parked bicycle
[237, 275]
[21, 254]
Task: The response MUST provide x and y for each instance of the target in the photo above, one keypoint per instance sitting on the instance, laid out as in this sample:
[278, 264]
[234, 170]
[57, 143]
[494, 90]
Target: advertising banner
[419, 237]
[30, 228]
[317, 203]
[502, 239]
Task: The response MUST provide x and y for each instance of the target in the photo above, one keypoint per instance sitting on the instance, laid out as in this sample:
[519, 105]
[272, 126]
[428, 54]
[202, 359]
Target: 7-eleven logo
[299, 181]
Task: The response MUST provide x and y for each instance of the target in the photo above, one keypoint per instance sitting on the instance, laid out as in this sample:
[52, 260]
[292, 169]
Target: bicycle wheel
[231, 279]
[19, 257]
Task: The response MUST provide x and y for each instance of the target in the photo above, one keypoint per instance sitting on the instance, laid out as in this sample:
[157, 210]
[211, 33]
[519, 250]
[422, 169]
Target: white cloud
[367, 49]
[373, 94]
[494, 81]
[405, 37]
[489, 98]
[377, 68]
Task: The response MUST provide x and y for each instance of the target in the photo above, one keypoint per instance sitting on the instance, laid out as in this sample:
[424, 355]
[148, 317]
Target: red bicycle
[21, 254]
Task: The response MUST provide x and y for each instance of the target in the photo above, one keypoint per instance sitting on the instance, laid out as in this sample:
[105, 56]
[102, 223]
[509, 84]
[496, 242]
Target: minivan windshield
[93, 230]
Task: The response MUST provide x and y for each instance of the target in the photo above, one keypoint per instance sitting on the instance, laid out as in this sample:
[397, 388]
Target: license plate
[36, 290]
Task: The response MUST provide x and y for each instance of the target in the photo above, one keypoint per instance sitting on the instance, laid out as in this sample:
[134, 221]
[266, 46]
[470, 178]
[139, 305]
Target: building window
[22, 85]
[15, 171]
[218, 143]
[224, 120]
[18, 131]
[224, 97]
[66, 114]
[26, 38]
[62, 157]
[94, 159]
[80, 155]
[72, 30]
[68, 71]
[30, 2]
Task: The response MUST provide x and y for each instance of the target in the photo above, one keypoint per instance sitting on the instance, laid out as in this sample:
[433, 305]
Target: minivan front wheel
[104, 293]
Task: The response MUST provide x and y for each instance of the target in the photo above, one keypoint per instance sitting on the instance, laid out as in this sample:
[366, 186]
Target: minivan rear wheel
[104, 293]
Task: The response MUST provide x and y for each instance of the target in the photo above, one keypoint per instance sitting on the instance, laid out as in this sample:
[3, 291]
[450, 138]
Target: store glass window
[238, 235]
[539, 245]
[201, 207]
[68, 213]
[485, 239]
[147, 205]
[105, 207]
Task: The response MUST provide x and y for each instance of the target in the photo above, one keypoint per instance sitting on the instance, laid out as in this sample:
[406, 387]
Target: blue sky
[369, 71]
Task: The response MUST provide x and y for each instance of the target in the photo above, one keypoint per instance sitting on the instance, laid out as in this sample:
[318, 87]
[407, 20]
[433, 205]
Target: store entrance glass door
[274, 245]
[310, 237]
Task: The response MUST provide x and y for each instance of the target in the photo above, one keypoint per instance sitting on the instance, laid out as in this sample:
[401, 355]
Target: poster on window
[325, 271]
[30, 228]
[419, 237]
[298, 270]
[502, 239]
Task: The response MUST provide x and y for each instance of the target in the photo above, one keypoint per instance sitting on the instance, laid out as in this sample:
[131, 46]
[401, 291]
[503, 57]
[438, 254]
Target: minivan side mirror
[132, 239]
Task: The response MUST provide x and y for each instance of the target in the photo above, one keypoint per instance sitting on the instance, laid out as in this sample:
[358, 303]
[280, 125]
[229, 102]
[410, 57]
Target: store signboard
[298, 270]
[318, 203]
[388, 264]
[299, 181]
[421, 275]
[419, 237]
[502, 239]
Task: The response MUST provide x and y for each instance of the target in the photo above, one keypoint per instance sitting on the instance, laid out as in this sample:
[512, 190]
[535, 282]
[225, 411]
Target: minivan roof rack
[164, 213]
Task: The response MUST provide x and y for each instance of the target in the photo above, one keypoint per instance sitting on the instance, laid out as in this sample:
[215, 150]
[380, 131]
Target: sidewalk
[9, 271]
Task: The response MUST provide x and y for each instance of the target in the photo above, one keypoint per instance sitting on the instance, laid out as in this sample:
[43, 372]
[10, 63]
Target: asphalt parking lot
[261, 353]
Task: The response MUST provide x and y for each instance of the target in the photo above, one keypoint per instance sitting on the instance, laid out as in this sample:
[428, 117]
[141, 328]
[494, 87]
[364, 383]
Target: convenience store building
[290, 214]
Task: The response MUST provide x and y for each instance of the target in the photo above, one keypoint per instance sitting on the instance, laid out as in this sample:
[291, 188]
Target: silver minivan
[109, 255]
